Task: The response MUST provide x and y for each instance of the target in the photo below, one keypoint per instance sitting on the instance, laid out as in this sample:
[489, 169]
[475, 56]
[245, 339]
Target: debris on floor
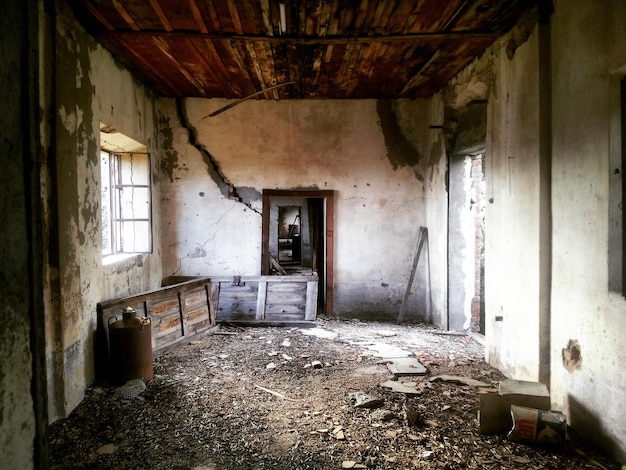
[214, 404]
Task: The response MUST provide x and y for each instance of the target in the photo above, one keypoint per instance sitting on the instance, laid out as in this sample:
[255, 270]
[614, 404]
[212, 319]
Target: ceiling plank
[165, 49]
[267, 20]
[209, 68]
[331, 49]
[99, 16]
[215, 58]
[419, 77]
[153, 70]
[156, 6]
[197, 16]
[234, 14]
[124, 14]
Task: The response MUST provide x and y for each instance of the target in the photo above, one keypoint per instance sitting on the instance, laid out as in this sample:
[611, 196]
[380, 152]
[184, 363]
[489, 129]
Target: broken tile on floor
[459, 380]
[400, 387]
[400, 366]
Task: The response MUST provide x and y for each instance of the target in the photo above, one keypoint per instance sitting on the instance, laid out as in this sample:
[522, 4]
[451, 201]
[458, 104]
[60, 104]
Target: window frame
[116, 218]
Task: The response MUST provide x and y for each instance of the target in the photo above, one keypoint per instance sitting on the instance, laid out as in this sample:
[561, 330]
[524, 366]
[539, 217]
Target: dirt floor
[254, 398]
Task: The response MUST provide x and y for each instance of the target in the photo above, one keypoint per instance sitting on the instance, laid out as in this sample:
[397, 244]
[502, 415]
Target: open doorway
[290, 242]
[466, 222]
[298, 228]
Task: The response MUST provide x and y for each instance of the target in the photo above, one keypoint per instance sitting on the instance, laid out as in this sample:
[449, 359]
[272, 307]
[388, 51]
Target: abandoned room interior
[148, 144]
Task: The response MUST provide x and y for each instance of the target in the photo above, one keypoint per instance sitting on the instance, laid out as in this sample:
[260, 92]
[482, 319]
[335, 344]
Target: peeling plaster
[68, 120]
[400, 151]
[170, 161]
[572, 359]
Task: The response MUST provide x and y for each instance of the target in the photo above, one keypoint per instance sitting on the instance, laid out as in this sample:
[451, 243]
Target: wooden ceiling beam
[124, 14]
[197, 16]
[307, 40]
[156, 6]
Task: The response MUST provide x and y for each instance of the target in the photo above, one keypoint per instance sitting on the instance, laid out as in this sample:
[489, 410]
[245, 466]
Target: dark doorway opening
[298, 228]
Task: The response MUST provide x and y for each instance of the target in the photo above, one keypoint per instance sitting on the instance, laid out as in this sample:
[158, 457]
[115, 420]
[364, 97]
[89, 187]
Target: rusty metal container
[130, 346]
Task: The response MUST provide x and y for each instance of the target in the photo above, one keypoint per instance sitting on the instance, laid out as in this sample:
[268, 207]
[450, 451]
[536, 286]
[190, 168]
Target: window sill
[122, 262]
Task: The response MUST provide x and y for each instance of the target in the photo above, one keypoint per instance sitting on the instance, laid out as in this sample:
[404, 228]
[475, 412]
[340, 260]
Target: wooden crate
[177, 312]
[265, 299]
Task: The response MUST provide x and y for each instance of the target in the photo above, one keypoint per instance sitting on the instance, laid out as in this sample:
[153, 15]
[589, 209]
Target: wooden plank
[310, 311]
[287, 286]
[164, 307]
[238, 306]
[197, 16]
[284, 317]
[137, 298]
[167, 340]
[156, 6]
[124, 14]
[285, 308]
[173, 317]
[166, 323]
[423, 236]
[234, 14]
[261, 301]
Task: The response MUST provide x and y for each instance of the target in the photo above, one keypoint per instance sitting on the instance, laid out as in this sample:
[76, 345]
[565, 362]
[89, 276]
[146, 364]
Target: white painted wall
[326, 144]
[512, 213]
[512, 192]
[588, 58]
[589, 45]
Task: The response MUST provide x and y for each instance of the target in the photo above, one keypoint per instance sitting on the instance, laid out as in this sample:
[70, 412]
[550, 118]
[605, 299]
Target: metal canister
[130, 346]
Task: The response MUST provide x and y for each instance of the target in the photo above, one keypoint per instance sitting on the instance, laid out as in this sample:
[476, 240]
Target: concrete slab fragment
[387, 351]
[402, 366]
[400, 387]
[459, 380]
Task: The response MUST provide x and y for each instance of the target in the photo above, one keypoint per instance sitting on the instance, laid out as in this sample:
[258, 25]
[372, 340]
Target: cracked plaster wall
[373, 154]
[524, 338]
[90, 88]
[585, 105]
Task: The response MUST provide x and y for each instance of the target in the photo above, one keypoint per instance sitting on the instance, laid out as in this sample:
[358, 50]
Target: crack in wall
[243, 195]
[199, 251]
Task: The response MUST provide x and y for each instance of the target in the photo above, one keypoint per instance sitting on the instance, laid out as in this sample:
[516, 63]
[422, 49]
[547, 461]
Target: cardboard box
[494, 416]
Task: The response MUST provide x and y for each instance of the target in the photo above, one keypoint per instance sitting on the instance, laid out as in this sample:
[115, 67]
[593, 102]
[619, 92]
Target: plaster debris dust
[214, 404]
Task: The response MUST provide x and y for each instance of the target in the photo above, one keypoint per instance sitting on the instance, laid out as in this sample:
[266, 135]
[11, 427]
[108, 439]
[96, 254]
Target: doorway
[290, 242]
[297, 236]
[466, 221]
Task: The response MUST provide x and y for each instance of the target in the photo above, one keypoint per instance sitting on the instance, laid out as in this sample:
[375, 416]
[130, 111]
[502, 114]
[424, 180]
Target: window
[126, 201]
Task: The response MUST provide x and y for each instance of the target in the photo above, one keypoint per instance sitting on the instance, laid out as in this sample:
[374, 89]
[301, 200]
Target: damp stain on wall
[400, 150]
[169, 162]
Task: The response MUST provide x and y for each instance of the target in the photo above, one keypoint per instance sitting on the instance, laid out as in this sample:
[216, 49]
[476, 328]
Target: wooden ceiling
[328, 49]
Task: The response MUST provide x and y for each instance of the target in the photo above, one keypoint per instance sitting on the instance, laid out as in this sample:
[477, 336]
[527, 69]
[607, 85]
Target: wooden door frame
[329, 197]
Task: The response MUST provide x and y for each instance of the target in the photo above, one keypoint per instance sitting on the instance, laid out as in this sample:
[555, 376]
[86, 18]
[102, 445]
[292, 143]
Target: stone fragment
[107, 449]
[459, 380]
[400, 387]
[383, 415]
[366, 401]
[402, 366]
